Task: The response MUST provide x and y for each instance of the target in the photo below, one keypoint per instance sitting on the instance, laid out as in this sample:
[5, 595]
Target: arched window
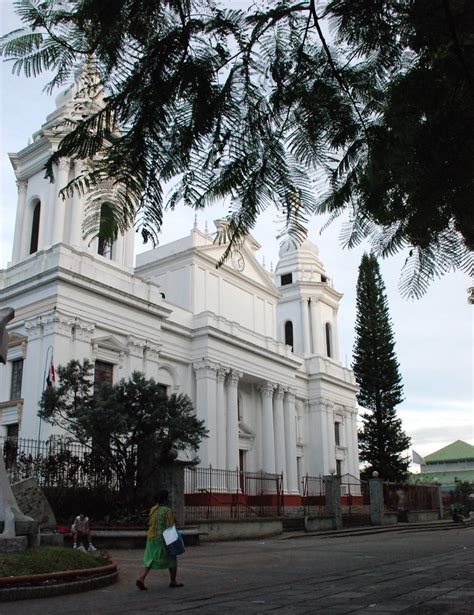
[105, 243]
[328, 329]
[35, 224]
[289, 334]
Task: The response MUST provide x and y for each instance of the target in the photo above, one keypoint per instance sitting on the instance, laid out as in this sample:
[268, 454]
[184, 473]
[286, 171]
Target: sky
[434, 334]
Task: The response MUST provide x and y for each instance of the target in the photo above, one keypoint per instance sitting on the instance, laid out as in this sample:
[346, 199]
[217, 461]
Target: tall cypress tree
[381, 439]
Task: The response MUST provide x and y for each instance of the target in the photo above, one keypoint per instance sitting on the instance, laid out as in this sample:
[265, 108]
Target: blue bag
[177, 547]
[173, 541]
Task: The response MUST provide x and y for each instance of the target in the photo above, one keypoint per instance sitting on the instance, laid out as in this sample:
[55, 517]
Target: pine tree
[382, 441]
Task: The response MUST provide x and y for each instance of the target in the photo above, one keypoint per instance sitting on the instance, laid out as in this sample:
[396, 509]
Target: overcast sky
[434, 335]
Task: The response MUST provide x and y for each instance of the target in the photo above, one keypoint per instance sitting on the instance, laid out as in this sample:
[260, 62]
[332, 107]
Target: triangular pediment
[15, 339]
[241, 263]
[110, 342]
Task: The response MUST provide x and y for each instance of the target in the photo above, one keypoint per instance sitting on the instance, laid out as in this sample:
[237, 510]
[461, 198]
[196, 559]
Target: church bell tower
[308, 304]
[44, 217]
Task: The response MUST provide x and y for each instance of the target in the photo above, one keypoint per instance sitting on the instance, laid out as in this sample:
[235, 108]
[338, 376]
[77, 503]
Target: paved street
[423, 573]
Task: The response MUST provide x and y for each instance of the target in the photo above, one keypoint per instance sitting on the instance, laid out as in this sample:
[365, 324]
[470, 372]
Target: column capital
[323, 403]
[267, 389]
[136, 346]
[22, 185]
[64, 164]
[234, 377]
[291, 394]
[280, 392]
[51, 322]
[205, 368]
[222, 373]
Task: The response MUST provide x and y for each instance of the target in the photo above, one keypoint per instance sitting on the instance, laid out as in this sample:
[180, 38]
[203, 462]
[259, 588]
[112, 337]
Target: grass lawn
[47, 559]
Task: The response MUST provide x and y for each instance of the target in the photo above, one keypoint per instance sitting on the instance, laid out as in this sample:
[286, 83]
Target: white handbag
[170, 535]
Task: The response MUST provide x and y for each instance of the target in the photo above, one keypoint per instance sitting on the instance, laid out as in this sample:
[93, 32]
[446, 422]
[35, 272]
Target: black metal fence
[355, 501]
[313, 496]
[404, 497]
[57, 462]
[212, 493]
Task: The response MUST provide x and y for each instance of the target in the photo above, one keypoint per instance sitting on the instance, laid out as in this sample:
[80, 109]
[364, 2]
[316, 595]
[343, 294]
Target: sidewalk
[422, 573]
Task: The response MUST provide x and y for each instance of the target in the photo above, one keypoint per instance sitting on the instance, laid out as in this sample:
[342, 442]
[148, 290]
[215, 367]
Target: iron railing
[355, 500]
[212, 493]
[56, 462]
[403, 497]
[313, 497]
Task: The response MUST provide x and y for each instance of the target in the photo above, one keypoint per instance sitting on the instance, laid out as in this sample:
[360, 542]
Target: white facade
[217, 335]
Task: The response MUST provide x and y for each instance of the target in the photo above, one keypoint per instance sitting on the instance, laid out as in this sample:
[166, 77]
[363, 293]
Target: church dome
[291, 245]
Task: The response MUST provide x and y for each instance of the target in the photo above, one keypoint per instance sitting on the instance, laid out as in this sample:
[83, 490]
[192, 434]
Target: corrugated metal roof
[453, 452]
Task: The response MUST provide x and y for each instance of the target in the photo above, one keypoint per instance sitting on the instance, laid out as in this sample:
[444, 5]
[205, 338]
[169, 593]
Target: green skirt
[156, 556]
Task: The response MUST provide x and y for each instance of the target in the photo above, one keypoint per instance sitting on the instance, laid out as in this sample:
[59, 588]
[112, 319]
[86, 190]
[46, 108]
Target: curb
[97, 577]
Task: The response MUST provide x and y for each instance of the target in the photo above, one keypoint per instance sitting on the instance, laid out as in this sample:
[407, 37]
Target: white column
[305, 324]
[77, 214]
[18, 247]
[290, 442]
[129, 259]
[268, 438]
[317, 419]
[328, 406]
[353, 443]
[58, 206]
[206, 374]
[48, 212]
[233, 420]
[279, 429]
[316, 326]
[118, 250]
[221, 419]
[335, 336]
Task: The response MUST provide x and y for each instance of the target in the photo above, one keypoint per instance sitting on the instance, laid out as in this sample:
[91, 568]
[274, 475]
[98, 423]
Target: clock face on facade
[237, 260]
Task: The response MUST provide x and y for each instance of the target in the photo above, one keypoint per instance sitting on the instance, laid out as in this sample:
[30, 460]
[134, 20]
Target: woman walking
[156, 555]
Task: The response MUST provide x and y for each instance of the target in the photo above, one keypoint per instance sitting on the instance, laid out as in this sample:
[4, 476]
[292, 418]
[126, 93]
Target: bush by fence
[74, 479]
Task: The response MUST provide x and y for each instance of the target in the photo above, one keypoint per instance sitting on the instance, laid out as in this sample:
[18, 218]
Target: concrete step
[399, 527]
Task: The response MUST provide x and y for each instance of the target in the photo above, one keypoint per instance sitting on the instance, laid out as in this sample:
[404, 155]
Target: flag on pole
[51, 377]
[417, 458]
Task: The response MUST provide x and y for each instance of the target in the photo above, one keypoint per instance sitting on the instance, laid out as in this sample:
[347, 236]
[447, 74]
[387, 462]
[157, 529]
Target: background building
[450, 465]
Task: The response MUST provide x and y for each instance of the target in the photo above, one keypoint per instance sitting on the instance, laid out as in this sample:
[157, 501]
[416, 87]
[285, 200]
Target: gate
[355, 501]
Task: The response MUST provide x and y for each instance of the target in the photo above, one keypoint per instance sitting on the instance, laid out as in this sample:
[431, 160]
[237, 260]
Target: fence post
[333, 499]
[440, 500]
[171, 477]
[376, 501]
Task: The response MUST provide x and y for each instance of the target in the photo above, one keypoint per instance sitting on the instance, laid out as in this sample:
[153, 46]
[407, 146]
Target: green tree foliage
[130, 426]
[261, 106]
[382, 441]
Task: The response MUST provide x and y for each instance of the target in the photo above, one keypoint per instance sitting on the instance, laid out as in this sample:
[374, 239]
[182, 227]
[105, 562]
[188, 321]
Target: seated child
[80, 529]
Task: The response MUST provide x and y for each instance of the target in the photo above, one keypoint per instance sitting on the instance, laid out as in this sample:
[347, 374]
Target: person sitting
[81, 530]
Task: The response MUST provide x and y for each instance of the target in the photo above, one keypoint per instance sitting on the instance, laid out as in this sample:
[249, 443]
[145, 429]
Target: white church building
[257, 352]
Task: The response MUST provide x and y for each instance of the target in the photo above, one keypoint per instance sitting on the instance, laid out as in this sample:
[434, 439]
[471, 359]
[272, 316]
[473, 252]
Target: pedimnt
[109, 342]
[15, 339]
[252, 271]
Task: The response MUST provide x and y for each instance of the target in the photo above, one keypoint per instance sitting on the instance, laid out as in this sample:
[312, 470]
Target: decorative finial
[195, 225]
[263, 262]
[206, 230]
[271, 266]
